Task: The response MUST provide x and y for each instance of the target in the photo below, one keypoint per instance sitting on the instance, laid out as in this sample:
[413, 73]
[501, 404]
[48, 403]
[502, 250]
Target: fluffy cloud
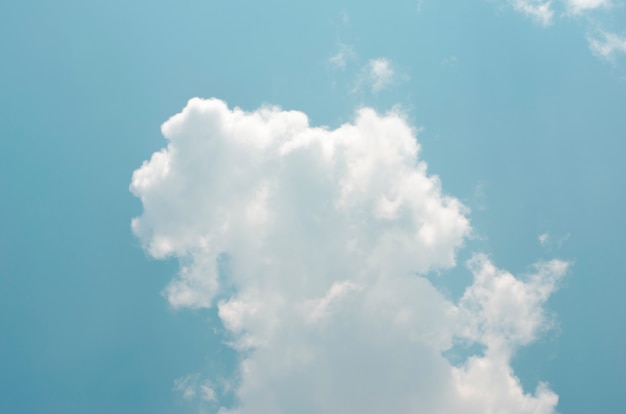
[329, 235]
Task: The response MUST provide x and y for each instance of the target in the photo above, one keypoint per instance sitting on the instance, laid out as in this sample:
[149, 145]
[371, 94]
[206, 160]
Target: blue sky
[521, 114]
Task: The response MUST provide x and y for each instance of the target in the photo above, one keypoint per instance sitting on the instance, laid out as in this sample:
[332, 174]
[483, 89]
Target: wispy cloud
[540, 10]
[607, 45]
[577, 7]
[549, 241]
[344, 17]
[604, 43]
[191, 387]
[381, 73]
[376, 75]
[479, 198]
[340, 59]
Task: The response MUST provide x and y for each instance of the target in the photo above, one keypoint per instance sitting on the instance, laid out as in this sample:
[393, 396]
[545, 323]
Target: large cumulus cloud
[328, 235]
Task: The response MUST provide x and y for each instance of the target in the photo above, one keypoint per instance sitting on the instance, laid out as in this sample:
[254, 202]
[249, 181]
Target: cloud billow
[329, 235]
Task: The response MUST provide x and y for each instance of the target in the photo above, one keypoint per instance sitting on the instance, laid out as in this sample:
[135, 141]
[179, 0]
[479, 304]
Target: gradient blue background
[526, 113]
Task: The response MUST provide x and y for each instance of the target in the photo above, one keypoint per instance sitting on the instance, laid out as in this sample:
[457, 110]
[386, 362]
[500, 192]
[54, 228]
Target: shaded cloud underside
[329, 235]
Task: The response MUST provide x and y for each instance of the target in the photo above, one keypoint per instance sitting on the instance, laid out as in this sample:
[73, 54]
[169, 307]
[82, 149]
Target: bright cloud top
[328, 235]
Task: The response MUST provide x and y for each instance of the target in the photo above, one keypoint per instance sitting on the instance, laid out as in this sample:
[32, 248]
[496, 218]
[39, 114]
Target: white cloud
[550, 241]
[580, 6]
[191, 387]
[604, 44]
[340, 59]
[607, 45]
[377, 75]
[231, 180]
[540, 10]
[330, 234]
[503, 312]
[187, 385]
[207, 392]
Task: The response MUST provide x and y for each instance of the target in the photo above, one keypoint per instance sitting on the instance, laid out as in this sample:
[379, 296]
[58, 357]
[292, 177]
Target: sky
[277, 207]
